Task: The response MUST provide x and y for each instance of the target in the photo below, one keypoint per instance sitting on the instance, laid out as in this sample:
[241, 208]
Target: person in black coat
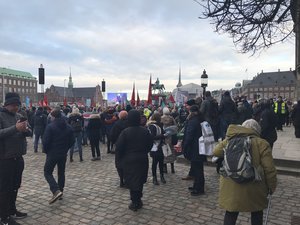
[265, 116]
[116, 130]
[228, 113]
[93, 132]
[57, 140]
[133, 146]
[190, 144]
[39, 123]
[296, 119]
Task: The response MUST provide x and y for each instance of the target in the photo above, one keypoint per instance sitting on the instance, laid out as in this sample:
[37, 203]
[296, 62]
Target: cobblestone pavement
[92, 196]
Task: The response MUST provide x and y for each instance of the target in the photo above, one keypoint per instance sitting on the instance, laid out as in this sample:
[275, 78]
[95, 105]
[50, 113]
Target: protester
[228, 113]
[168, 121]
[251, 196]
[209, 109]
[133, 146]
[267, 120]
[57, 140]
[116, 130]
[156, 130]
[190, 143]
[109, 121]
[76, 122]
[40, 123]
[13, 132]
[188, 105]
[295, 116]
[93, 130]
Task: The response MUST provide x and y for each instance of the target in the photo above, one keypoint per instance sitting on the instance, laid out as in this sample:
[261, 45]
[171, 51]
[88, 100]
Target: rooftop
[16, 73]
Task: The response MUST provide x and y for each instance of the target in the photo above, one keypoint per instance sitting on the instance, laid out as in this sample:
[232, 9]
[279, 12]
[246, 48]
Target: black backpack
[237, 162]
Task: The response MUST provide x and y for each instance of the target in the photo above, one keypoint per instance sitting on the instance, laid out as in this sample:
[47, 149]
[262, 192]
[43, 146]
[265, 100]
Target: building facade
[271, 85]
[18, 81]
[85, 97]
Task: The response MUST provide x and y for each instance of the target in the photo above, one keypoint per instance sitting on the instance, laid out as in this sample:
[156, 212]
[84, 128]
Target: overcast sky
[124, 41]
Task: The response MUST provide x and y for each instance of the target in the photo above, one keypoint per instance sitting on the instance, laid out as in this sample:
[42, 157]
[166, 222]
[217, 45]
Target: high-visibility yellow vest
[282, 107]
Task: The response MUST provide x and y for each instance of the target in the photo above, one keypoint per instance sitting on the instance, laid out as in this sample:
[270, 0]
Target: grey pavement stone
[92, 196]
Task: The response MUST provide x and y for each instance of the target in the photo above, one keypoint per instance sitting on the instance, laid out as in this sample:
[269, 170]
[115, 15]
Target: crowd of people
[134, 133]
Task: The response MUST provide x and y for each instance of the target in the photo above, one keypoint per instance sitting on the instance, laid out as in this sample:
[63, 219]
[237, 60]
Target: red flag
[149, 101]
[171, 99]
[138, 99]
[45, 100]
[132, 101]
[65, 101]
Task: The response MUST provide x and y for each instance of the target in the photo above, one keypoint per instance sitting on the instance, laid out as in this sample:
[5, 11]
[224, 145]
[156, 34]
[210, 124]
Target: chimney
[262, 71]
[278, 70]
[290, 69]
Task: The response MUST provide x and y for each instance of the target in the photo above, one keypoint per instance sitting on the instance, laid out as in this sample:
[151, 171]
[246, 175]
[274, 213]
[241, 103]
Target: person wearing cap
[57, 140]
[13, 131]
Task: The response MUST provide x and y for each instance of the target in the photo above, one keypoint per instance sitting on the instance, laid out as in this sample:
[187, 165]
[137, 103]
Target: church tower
[70, 83]
[179, 80]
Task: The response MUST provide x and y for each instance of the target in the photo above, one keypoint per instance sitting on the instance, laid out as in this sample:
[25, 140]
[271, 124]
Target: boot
[165, 168]
[162, 179]
[155, 182]
[172, 168]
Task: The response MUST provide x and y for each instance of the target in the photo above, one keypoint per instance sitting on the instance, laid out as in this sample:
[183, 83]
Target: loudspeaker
[41, 76]
[103, 86]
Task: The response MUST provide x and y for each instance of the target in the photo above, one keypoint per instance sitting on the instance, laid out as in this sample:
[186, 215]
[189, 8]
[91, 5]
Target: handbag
[166, 150]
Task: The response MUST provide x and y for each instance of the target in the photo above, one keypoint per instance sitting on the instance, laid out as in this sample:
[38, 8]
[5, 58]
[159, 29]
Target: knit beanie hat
[253, 124]
[12, 98]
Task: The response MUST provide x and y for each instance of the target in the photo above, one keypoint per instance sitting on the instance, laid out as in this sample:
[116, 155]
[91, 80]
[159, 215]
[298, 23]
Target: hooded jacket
[252, 196]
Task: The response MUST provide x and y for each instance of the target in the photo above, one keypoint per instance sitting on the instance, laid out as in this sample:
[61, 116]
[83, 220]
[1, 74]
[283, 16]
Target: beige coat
[252, 196]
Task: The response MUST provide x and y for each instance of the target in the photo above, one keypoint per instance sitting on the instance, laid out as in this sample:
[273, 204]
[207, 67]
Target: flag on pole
[132, 101]
[137, 99]
[45, 103]
[65, 101]
[171, 99]
[149, 101]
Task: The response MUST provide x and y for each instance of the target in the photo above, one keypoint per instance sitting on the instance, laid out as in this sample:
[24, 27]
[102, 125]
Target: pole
[64, 90]
[3, 90]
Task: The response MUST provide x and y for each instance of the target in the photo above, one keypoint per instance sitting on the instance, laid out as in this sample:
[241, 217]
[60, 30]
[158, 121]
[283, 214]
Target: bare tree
[252, 24]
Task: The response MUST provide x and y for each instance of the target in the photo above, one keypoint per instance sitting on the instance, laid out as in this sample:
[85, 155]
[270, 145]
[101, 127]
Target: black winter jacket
[12, 142]
[58, 138]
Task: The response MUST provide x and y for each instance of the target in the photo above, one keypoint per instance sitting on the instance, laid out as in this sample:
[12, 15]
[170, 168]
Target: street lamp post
[204, 82]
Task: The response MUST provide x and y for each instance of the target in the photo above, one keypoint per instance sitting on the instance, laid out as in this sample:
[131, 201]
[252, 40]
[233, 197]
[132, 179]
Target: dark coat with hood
[228, 110]
[58, 138]
[12, 142]
[267, 119]
[132, 148]
[93, 127]
[192, 133]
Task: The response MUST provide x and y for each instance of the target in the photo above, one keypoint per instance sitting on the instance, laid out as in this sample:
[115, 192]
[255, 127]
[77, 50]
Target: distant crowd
[133, 133]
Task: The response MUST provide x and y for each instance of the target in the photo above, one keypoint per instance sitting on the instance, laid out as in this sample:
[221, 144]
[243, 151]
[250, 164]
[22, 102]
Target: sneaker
[197, 193]
[9, 221]
[93, 159]
[19, 215]
[98, 158]
[133, 206]
[55, 196]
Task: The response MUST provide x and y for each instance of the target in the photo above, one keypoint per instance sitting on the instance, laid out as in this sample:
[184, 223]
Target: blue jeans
[78, 143]
[50, 164]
